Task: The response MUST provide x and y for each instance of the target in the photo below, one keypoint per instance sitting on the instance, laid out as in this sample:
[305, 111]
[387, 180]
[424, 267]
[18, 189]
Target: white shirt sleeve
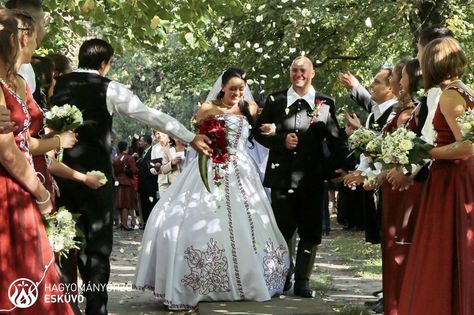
[122, 101]
[156, 152]
[27, 72]
[432, 104]
[363, 163]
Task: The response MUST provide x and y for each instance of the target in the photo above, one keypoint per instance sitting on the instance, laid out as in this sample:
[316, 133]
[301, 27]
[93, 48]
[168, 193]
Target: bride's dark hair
[230, 73]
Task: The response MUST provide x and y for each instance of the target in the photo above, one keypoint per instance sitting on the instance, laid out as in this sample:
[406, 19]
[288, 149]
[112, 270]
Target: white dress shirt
[379, 109]
[121, 101]
[292, 97]
[27, 72]
[432, 101]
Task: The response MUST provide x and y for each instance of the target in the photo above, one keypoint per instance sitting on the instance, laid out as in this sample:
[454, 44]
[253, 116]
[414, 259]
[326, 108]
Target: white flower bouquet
[103, 178]
[62, 231]
[374, 146]
[401, 148]
[359, 139]
[466, 122]
[64, 118]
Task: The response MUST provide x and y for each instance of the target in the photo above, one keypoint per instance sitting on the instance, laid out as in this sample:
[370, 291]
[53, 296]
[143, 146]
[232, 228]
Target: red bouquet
[215, 130]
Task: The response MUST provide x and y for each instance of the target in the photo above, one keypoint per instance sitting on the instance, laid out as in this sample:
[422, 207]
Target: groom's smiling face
[301, 73]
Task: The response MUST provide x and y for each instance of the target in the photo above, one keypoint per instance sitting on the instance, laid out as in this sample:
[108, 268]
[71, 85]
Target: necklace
[226, 107]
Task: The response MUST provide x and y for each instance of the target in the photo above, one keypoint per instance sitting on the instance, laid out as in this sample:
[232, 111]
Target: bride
[219, 246]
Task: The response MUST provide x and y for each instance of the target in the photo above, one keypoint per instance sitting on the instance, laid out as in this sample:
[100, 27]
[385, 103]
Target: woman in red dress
[439, 277]
[39, 143]
[399, 207]
[125, 169]
[24, 247]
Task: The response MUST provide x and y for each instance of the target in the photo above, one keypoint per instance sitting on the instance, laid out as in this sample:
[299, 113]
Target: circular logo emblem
[23, 293]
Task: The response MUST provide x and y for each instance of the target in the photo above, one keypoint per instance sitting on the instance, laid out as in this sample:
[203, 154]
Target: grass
[322, 283]
[366, 258]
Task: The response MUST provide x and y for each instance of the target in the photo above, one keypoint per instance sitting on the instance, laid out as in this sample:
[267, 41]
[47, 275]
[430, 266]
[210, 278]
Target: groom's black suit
[300, 172]
[296, 177]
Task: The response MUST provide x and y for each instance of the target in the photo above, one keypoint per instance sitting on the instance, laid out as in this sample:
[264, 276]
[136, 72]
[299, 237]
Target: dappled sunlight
[334, 266]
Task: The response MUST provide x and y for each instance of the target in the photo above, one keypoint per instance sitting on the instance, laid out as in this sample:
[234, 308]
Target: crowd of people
[254, 231]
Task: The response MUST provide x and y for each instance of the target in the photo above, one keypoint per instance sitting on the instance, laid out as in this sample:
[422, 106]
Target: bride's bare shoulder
[206, 109]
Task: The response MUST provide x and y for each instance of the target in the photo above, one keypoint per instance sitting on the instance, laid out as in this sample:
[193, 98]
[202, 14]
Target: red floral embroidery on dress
[274, 267]
[208, 269]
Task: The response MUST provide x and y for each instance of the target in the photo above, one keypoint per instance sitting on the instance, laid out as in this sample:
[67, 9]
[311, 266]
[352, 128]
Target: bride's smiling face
[233, 91]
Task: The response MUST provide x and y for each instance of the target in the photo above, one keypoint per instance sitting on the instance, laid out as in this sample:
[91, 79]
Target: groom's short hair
[93, 52]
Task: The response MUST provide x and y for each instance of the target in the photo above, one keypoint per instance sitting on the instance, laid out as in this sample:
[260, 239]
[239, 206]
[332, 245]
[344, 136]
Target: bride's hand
[268, 129]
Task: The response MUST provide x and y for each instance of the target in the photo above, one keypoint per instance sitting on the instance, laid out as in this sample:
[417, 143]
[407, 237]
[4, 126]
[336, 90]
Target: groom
[299, 162]
[99, 98]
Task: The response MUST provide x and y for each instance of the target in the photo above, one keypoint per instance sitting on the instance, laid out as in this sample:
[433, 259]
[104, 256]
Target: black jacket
[321, 145]
[147, 182]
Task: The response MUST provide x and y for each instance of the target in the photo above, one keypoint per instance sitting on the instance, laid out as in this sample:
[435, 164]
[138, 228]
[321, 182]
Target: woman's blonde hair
[443, 59]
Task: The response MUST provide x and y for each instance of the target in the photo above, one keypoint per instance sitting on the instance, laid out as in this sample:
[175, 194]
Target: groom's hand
[201, 144]
[291, 141]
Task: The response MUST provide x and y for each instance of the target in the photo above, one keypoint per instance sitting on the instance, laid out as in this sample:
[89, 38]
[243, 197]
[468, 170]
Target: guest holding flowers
[25, 250]
[440, 271]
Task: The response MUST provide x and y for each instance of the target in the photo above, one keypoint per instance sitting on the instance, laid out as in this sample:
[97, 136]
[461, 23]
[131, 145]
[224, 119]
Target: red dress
[398, 216]
[439, 277]
[36, 127]
[126, 197]
[24, 247]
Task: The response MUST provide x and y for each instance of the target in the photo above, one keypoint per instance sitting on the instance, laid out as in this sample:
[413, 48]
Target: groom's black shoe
[304, 267]
[303, 289]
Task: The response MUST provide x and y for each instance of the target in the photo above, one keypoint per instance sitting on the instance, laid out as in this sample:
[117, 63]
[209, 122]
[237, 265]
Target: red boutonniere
[315, 113]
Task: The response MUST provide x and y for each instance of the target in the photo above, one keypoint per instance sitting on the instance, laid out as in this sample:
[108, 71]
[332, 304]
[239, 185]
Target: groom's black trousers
[96, 222]
[301, 209]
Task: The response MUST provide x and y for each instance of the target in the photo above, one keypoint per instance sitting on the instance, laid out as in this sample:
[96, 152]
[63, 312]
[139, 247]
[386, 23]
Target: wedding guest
[173, 159]
[124, 170]
[440, 272]
[41, 144]
[35, 10]
[25, 250]
[398, 206]
[45, 81]
[147, 181]
[62, 64]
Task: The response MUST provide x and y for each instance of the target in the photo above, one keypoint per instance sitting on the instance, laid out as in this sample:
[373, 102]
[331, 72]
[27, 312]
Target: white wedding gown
[223, 246]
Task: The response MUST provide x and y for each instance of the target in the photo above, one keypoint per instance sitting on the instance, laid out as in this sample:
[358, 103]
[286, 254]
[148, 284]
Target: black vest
[87, 91]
